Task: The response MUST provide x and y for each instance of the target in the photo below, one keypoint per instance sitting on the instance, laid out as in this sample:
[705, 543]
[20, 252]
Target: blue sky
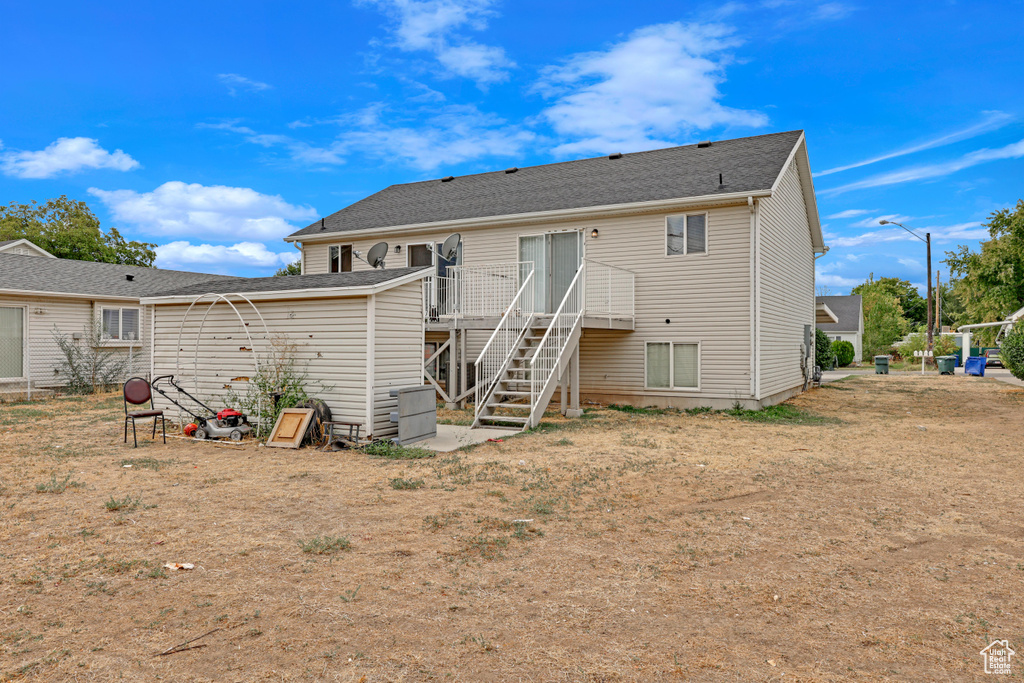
[214, 129]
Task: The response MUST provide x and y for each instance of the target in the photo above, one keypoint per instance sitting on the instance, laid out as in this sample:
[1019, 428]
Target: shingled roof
[256, 285]
[89, 278]
[846, 308]
[745, 164]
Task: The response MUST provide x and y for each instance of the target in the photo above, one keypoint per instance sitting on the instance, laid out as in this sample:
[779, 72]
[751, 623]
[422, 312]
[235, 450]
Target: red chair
[138, 392]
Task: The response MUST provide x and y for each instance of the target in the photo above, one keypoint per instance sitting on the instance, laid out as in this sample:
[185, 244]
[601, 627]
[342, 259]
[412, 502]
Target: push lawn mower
[209, 424]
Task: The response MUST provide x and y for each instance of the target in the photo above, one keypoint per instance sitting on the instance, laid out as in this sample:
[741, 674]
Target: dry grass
[836, 541]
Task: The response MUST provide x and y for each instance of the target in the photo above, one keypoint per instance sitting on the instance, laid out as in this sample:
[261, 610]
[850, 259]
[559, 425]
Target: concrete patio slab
[453, 437]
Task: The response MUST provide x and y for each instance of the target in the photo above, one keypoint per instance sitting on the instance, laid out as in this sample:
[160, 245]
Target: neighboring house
[23, 247]
[850, 326]
[92, 306]
[680, 277]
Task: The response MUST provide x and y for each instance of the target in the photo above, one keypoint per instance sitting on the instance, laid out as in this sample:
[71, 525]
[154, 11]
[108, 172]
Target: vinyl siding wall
[49, 315]
[398, 350]
[786, 292]
[707, 298]
[328, 339]
[327, 336]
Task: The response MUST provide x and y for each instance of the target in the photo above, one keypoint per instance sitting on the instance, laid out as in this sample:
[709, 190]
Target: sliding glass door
[556, 257]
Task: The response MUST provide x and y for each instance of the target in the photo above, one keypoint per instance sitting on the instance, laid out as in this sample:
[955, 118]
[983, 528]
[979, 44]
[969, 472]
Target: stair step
[510, 392]
[504, 418]
[517, 406]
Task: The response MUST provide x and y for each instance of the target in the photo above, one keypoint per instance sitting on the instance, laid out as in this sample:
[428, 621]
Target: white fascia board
[67, 295]
[311, 293]
[799, 153]
[587, 212]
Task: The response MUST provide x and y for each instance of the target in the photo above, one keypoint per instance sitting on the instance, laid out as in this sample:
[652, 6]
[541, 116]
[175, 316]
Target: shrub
[822, 350]
[844, 352]
[1012, 351]
[325, 545]
[91, 364]
[942, 345]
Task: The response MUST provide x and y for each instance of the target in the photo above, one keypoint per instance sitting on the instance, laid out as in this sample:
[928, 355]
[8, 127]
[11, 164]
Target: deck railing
[503, 341]
[484, 290]
[546, 359]
[609, 290]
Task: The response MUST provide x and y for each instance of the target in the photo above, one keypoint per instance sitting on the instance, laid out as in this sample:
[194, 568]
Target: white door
[12, 342]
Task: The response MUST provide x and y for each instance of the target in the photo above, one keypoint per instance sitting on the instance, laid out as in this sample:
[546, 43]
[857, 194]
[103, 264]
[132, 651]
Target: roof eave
[582, 213]
[66, 295]
[308, 293]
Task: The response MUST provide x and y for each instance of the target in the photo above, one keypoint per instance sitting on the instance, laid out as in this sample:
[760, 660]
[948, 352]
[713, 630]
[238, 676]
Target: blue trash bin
[975, 365]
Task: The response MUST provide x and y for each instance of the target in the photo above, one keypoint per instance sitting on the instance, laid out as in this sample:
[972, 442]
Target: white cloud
[183, 254]
[181, 209]
[911, 263]
[302, 152]
[659, 84]
[452, 135]
[435, 26]
[875, 221]
[66, 155]
[236, 82]
[837, 281]
[993, 120]
[927, 171]
[850, 213]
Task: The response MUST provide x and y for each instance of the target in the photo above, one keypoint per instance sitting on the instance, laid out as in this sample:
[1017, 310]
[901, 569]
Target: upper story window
[120, 324]
[686, 234]
[340, 258]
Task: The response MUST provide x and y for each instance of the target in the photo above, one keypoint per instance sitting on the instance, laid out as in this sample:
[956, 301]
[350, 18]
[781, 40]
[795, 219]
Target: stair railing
[504, 341]
[548, 356]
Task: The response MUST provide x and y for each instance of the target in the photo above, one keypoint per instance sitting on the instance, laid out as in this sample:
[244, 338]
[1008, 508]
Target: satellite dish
[450, 248]
[378, 252]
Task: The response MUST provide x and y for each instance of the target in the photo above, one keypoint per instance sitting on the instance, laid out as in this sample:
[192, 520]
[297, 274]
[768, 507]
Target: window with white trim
[673, 365]
[340, 258]
[120, 324]
[686, 234]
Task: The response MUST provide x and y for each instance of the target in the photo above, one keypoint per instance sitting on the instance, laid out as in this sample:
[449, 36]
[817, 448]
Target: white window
[673, 365]
[120, 323]
[340, 258]
[686, 234]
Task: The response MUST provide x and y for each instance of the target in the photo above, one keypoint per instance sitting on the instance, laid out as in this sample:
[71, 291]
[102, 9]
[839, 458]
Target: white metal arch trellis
[199, 334]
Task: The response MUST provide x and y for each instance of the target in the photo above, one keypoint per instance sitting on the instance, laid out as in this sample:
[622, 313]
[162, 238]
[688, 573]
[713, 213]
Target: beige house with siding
[94, 307]
[678, 277]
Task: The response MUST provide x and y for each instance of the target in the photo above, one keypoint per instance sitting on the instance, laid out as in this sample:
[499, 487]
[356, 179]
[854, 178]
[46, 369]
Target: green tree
[68, 229]
[290, 269]
[990, 282]
[952, 308]
[883, 319]
[822, 350]
[915, 306]
[1011, 352]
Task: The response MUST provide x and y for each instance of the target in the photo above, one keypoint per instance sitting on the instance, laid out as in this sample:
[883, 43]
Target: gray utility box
[416, 415]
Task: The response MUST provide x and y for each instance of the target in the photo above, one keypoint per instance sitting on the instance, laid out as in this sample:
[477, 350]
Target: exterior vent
[322, 226]
[511, 170]
[617, 155]
[448, 179]
[129, 278]
[704, 143]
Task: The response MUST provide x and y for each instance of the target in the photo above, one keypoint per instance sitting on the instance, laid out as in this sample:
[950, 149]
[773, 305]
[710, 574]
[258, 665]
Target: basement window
[340, 258]
[672, 365]
[686, 234]
[121, 324]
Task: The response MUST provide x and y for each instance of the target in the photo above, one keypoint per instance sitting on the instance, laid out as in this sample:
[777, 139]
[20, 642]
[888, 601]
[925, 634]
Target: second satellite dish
[378, 252]
[450, 247]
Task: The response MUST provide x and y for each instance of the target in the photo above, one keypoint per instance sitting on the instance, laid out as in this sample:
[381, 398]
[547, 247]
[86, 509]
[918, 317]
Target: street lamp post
[927, 239]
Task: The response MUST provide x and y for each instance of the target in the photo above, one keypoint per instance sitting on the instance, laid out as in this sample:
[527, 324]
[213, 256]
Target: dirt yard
[870, 530]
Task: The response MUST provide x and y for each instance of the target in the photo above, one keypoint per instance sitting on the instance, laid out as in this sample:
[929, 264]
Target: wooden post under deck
[453, 359]
[574, 379]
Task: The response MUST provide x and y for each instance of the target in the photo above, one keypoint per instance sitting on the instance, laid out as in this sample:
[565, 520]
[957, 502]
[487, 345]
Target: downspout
[812, 351]
[754, 274]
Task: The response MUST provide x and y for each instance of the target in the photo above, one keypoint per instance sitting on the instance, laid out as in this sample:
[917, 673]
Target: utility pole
[938, 301]
[928, 241]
